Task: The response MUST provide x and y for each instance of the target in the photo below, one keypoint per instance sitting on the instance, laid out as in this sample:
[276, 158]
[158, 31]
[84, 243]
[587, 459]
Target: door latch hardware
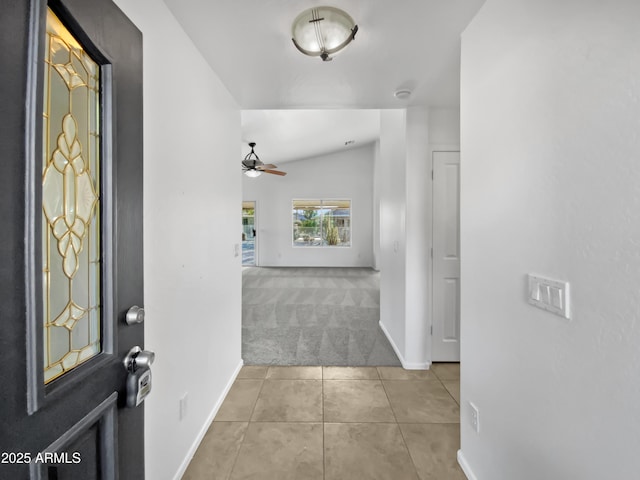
[134, 315]
[138, 359]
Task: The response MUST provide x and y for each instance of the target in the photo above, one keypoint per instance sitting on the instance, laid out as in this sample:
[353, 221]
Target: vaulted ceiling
[400, 44]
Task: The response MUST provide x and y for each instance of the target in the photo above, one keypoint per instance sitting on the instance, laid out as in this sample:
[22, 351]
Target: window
[71, 251]
[321, 223]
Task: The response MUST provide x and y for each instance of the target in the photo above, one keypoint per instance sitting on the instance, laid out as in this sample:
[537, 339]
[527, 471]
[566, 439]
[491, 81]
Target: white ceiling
[412, 44]
[285, 135]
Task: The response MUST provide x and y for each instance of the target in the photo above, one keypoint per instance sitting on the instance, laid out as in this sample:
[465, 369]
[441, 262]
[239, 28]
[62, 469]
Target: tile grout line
[404, 440]
[445, 387]
[324, 457]
[235, 459]
[388, 399]
[451, 395]
[413, 461]
[253, 409]
[244, 436]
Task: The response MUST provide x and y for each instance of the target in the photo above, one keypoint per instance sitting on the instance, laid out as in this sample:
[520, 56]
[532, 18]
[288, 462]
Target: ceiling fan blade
[268, 165]
[275, 172]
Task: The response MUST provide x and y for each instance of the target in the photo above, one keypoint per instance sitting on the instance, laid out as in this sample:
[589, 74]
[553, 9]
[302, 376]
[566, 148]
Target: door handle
[138, 359]
[134, 315]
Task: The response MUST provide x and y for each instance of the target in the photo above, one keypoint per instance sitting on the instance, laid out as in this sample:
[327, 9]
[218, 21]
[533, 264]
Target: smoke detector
[402, 94]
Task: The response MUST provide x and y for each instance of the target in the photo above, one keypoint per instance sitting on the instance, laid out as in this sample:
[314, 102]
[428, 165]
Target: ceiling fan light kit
[252, 173]
[253, 167]
[323, 31]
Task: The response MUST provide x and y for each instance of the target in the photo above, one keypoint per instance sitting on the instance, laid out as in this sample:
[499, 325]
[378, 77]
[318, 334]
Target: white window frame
[319, 199]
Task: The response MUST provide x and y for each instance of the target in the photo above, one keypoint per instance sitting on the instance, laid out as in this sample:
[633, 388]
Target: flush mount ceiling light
[323, 31]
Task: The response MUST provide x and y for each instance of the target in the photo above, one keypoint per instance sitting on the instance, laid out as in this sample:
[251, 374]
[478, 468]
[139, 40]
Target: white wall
[403, 195]
[377, 181]
[391, 170]
[418, 238]
[444, 127]
[191, 215]
[347, 174]
[551, 184]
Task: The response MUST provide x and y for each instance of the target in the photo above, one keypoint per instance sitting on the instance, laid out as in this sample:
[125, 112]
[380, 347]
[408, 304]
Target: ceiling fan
[253, 167]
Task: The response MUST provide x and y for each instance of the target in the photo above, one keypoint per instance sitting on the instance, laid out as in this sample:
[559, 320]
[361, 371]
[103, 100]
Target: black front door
[71, 262]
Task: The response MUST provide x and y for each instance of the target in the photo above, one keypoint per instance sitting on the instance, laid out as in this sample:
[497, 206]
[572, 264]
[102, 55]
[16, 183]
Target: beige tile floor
[335, 423]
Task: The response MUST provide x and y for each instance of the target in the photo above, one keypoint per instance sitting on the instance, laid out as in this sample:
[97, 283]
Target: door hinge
[431, 174]
[431, 252]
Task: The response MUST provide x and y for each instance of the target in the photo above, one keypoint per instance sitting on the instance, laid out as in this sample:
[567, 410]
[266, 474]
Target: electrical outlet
[474, 417]
[183, 406]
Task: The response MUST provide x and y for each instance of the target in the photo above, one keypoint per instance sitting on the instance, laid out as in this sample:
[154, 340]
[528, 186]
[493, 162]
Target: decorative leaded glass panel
[70, 203]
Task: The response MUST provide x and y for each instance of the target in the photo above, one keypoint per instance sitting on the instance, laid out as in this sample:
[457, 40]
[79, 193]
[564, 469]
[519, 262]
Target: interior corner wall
[418, 239]
[551, 185]
[346, 174]
[391, 171]
[376, 206]
[192, 196]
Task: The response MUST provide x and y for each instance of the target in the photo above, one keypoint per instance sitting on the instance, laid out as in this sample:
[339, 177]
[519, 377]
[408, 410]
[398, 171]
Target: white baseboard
[462, 461]
[207, 424]
[406, 365]
[415, 366]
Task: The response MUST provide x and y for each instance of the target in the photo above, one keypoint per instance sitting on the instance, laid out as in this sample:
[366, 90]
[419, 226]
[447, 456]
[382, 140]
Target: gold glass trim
[70, 203]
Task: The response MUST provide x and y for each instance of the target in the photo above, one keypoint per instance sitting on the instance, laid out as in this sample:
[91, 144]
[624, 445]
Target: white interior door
[446, 257]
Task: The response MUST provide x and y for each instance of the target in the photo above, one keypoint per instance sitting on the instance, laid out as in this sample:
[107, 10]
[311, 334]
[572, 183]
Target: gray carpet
[313, 316]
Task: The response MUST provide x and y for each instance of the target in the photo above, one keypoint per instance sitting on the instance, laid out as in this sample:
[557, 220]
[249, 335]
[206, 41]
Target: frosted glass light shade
[323, 31]
[253, 173]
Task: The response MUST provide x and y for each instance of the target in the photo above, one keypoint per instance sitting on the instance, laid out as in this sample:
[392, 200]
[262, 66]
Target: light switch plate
[548, 294]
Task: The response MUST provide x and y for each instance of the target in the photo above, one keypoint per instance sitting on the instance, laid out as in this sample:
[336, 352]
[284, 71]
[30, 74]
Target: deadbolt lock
[134, 315]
